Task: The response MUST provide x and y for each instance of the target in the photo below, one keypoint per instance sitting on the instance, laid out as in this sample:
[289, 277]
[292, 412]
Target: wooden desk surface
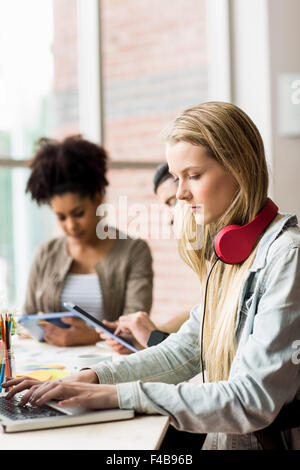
[139, 433]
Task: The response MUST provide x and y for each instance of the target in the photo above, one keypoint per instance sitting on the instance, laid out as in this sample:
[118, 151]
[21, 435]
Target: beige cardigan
[125, 276]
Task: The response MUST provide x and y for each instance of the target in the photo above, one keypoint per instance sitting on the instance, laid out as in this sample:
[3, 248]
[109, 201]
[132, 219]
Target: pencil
[9, 347]
[4, 339]
[2, 367]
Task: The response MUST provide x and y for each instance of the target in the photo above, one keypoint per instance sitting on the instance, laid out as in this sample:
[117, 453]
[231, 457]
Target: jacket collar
[269, 237]
[63, 260]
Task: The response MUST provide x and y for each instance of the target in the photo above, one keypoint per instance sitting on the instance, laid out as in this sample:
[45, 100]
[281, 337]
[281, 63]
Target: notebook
[14, 418]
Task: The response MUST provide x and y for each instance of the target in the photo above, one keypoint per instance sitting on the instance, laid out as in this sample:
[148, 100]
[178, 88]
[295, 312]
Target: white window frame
[218, 50]
[89, 69]
[232, 53]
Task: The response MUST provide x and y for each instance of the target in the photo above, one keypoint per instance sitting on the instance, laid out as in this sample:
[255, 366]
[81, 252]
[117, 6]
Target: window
[115, 71]
[38, 97]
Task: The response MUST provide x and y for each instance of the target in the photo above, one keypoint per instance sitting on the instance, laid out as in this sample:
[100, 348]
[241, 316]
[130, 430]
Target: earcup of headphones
[231, 246]
[234, 243]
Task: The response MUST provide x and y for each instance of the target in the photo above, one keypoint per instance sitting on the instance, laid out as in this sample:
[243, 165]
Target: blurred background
[117, 71]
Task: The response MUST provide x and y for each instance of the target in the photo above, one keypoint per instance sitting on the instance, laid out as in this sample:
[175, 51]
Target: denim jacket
[264, 375]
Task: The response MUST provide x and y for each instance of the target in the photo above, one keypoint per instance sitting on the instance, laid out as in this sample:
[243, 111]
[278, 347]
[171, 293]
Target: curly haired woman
[107, 277]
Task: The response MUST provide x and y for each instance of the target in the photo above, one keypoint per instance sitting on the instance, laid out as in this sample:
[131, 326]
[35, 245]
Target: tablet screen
[98, 324]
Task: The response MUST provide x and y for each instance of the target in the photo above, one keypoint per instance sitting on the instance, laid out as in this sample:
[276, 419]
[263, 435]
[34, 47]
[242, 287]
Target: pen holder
[11, 369]
[7, 358]
[7, 365]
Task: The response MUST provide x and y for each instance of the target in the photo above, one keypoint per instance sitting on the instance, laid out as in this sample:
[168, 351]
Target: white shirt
[84, 290]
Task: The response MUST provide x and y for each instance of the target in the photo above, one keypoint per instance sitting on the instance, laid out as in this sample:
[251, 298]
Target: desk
[140, 433]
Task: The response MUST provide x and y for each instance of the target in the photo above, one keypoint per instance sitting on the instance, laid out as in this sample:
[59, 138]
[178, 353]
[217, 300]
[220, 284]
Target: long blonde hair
[232, 139]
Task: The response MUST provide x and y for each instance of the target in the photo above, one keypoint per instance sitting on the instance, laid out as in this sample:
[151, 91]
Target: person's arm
[266, 377]
[173, 363]
[136, 328]
[174, 322]
[175, 359]
[71, 391]
[139, 285]
[141, 331]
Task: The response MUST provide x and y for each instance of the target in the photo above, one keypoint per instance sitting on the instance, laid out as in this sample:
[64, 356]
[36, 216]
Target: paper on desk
[44, 374]
[30, 352]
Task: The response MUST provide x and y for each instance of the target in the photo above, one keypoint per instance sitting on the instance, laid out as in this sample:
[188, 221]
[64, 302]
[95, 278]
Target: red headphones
[233, 244]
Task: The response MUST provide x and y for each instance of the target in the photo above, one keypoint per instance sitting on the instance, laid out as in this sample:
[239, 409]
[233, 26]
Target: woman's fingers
[55, 392]
[118, 330]
[111, 324]
[58, 390]
[82, 399]
[117, 347]
[19, 385]
[72, 401]
[11, 381]
[93, 396]
[104, 335]
[79, 333]
[45, 392]
[26, 397]
[74, 321]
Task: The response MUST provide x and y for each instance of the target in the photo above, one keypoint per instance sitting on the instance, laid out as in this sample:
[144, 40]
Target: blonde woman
[252, 319]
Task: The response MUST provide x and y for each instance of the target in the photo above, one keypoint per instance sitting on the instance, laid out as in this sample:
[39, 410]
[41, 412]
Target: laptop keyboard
[11, 410]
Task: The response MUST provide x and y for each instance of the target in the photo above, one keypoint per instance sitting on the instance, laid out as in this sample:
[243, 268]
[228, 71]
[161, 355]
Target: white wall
[250, 66]
[284, 33]
[263, 40]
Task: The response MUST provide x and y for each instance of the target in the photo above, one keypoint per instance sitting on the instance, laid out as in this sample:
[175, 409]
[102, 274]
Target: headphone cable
[203, 319]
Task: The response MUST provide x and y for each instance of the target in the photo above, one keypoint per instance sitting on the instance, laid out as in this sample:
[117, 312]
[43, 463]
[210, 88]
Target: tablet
[31, 322]
[75, 309]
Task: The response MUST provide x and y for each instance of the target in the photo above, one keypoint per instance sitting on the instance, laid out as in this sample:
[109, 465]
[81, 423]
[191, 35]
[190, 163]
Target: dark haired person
[138, 327]
[165, 188]
[107, 277]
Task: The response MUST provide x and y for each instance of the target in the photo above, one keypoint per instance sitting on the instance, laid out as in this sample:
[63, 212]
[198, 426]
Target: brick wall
[65, 87]
[154, 64]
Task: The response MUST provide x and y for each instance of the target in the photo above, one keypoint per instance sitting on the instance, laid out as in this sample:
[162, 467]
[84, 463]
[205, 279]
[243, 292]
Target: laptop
[14, 418]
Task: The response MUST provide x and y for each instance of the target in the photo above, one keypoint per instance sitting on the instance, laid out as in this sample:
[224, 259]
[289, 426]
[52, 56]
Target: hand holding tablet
[78, 311]
[33, 323]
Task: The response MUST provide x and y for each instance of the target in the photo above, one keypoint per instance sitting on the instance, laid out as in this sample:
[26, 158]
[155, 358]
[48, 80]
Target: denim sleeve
[265, 377]
[174, 360]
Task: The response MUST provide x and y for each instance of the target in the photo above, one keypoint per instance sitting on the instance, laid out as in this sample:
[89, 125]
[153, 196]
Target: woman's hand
[135, 327]
[112, 343]
[20, 384]
[78, 334]
[68, 392]
[93, 396]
